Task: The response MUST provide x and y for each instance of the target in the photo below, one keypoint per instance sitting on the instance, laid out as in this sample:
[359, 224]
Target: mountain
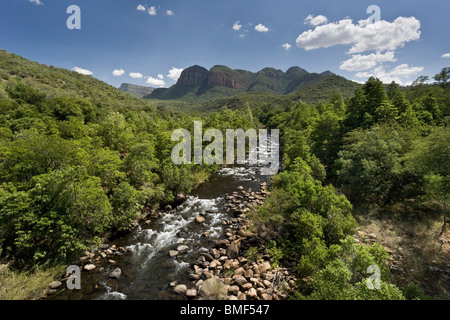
[135, 90]
[197, 84]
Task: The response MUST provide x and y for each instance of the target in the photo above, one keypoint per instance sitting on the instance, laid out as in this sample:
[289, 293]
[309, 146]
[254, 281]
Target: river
[147, 269]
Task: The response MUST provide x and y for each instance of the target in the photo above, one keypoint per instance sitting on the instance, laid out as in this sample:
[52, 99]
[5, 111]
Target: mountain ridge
[198, 84]
[136, 90]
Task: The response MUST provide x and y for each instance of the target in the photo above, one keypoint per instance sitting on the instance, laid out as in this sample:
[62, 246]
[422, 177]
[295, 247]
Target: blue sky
[157, 39]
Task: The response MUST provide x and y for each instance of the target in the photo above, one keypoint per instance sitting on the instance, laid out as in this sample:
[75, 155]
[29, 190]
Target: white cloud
[399, 74]
[237, 26]
[261, 28]
[170, 12]
[446, 56]
[37, 2]
[83, 71]
[174, 73]
[118, 72]
[160, 76]
[155, 82]
[364, 62]
[381, 35]
[136, 75]
[315, 21]
[152, 11]
[141, 8]
[286, 46]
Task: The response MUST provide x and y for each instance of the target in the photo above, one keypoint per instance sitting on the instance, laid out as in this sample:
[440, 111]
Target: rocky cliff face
[225, 80]
[196, 82]
[193, 76]
[135, 90]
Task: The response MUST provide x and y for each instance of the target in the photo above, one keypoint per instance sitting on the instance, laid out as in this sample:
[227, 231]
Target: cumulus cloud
[286, 46]
[152, 11]
[160, 76]
[446, 56]
[315, 21]
[118, 72]
[237, 26]
[83, 71]
[155, 82]
[37, 2]
[136, 75]
[398, 74]
[170, 12]
[363, 36]
[364, 62]
[174, 73]
[261, 28]
[141, 8]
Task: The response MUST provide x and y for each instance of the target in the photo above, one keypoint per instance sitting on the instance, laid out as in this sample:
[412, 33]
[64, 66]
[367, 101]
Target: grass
[413, 238]
[21, 285]
[213, 289]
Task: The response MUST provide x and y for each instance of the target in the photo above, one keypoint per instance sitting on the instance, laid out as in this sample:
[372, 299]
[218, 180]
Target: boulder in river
[115, 274]
[182, 249]
[200, 219]
[180, 289]
[90, 267]
[191, 293]
[173, 253]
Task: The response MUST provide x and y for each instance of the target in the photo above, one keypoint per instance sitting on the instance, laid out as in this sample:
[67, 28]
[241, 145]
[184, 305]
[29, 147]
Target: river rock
[247, 286]
[240, 280]
[233, 249]
[221, 243]
[239, 271]
[182, 249]
[266, 296]
[248, 273]
[191, 293]
[173, 253]
[265, 266]
[55, 285]
[116, 274]
[180, 289]
[252, 294]
[90, 267]
[200, 219]
[233, 290]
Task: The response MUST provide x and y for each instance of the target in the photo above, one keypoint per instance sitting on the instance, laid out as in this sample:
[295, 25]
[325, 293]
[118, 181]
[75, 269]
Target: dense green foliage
[79, 159]
[381, 146]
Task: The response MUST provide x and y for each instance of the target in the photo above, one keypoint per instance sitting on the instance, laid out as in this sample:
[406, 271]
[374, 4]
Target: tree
[420, 81]
[375, 95]
[442, 77]
[368, 167]
[64, 213]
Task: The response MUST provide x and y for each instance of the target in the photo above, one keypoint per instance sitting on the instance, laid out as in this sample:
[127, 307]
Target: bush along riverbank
[239, 266]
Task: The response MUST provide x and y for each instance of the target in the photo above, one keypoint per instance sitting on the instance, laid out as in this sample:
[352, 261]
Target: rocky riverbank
[239, 266]
[223, 259]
